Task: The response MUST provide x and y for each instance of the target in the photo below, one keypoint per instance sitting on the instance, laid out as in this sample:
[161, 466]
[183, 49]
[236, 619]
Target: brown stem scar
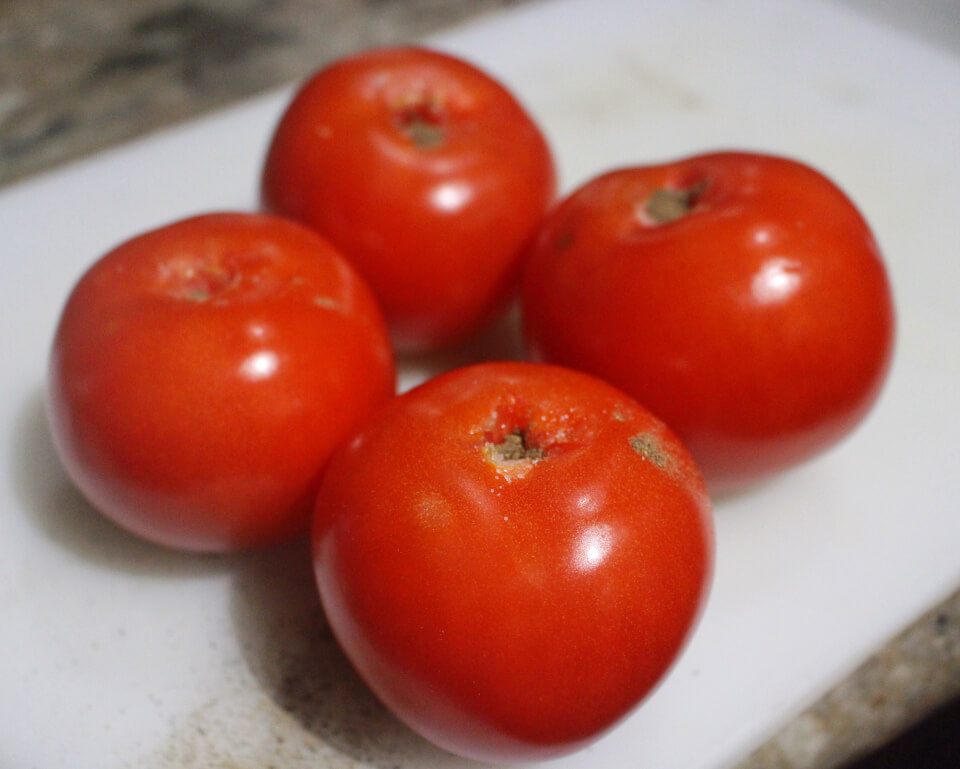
[667, 204]
[514, 448]
[423, 133]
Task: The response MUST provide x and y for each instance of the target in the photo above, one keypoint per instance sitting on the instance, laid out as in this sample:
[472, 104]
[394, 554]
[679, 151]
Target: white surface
[117, 654]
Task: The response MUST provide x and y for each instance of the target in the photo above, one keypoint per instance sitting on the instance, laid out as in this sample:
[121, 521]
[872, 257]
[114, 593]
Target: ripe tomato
[202, 374]
[740, 297]
[426, 173]
[512, 555]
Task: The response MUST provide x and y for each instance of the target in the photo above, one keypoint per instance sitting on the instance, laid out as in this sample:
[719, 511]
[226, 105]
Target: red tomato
[740, 297]
[512, 555]
[426, 173]
[202, 374]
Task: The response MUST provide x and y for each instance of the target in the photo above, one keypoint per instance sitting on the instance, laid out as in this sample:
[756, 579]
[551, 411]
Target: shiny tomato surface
[428, 175]
[202, 374]
[512, 555]
[740, 297]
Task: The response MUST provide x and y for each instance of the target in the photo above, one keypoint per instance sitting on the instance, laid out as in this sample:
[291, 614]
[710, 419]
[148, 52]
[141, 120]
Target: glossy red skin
[517, 614]
[436, 230]
[203, 373]
[759, 326]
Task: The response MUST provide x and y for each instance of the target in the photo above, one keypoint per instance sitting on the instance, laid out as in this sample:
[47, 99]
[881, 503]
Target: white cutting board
[114, 653]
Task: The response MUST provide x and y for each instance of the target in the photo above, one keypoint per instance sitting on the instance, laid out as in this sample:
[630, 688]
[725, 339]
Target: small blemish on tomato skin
[564, 240]
[327, 303]
[650, 448]
[434, 512]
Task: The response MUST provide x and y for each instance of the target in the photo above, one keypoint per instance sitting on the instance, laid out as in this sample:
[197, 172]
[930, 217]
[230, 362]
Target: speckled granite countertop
[79, 75]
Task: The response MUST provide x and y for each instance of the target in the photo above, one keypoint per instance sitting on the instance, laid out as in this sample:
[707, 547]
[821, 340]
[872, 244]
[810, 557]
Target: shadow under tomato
[291, 652]
[61, 514]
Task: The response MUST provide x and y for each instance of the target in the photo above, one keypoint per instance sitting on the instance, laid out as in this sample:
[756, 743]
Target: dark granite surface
[80, 75]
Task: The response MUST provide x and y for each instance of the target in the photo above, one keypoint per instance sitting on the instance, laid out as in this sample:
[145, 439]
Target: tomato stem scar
[514, 447]
[421, 120]
[425, 135]
[201, 283]
[667, 204]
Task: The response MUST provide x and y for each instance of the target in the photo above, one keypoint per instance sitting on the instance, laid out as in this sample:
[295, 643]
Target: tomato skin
[512, 612]
[426, 173]
[202, 373]
[759, 325]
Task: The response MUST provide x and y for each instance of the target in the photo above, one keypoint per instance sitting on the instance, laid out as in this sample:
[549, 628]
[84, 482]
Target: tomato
[202, 374]
[740, 297]
[426, 173]
[512, 556]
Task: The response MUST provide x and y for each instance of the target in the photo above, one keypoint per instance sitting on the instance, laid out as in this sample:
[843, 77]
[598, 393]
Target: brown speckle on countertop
[293, 701]
[82, 75]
